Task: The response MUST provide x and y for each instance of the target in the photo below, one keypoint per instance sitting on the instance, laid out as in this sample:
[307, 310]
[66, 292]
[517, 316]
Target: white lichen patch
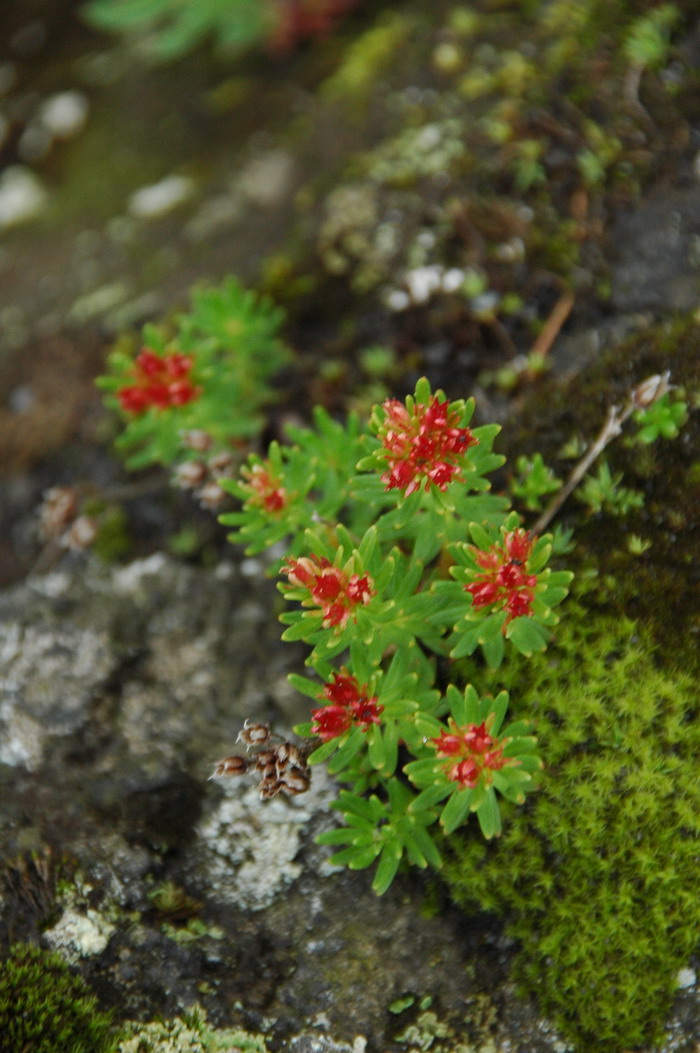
[131, 577]
[46, 681]
[79, 935]
[248, 847]
[191, 1034]
[22, 741]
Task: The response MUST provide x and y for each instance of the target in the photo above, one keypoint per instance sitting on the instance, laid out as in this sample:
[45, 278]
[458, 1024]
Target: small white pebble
[64, 114]
[159, 198]
[423, 282]
[21, 196]
[686, 978]
[397, 300]
[452, 279]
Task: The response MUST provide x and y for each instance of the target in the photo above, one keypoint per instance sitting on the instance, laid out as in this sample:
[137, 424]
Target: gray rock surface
[120, 687]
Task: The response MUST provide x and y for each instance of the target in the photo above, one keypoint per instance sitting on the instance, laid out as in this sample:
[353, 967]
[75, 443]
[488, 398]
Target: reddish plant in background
[162, 381]
[299, 20]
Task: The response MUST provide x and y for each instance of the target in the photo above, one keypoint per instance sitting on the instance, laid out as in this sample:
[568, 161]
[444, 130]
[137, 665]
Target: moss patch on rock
[659, 585]
[598, 875]
[44, 1007]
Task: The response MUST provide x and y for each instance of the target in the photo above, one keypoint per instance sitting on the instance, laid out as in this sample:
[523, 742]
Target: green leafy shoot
[534, 479]
[223, 353]
[604, 492]
[662, 420]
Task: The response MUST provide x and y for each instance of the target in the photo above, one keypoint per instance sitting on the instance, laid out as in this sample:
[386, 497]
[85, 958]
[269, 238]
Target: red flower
[331, 588]
[475, 751]
[349, 704]
[264, 487]
[342, 690]
[424, 447]
[160, 380]
[504, 581]
[330, 722]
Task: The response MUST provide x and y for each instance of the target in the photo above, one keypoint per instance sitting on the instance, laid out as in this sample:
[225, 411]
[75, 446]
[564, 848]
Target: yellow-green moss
[45, 1008]
[367, 58]
[597, 877]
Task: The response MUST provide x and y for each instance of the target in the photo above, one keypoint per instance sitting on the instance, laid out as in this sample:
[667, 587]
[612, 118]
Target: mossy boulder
[597, 877]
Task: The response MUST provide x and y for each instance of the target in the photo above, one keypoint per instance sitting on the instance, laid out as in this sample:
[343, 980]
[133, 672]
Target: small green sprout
[603, 491]
[637, 546]
[533, 481]
[649, 37]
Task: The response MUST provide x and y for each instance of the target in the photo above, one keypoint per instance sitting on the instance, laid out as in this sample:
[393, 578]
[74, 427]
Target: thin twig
[640, 397]
[559, 314]
[610, 430]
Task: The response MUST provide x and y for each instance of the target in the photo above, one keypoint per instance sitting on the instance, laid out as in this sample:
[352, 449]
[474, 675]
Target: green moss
[660, 589]
[598, 875]
[45, 1008]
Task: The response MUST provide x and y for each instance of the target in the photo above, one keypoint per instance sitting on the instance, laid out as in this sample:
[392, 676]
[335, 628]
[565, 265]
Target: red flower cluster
[160, 380]
[348, 705]
[424, 446]
[505, 580]
[471, 751]
[264, 487]
[335, 591]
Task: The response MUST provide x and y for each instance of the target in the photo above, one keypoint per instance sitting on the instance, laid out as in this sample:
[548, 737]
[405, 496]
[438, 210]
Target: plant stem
[611, 429]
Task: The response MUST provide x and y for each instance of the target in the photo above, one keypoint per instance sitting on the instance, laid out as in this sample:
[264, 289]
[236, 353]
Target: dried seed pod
[235, 765]
[651, 390]
[265, 757]
[269, 788]
[221, 464]
[296, 780]
[80, 534]
[198, 440]
[58, 510]
[211, 497]
[282, 756]
[190, 474]
[290, 754]
[254, 734]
